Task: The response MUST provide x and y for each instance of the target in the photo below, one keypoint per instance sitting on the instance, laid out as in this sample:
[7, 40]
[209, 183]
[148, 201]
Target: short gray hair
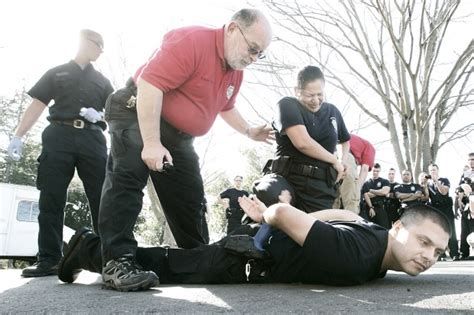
[246, 17]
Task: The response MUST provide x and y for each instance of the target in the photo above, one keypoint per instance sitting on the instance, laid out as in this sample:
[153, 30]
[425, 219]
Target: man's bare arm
[294, 222]
[31, 115]
[380, 192]
[149, 103]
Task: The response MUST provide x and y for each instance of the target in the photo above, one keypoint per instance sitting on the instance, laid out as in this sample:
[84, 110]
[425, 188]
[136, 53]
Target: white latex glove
[15, 148]
[91, 114]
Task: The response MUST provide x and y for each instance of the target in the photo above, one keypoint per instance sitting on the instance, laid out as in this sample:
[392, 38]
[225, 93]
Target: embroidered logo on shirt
[334, 123]
[379, 184]
[62, 74]
[230, 91]
[412, 188]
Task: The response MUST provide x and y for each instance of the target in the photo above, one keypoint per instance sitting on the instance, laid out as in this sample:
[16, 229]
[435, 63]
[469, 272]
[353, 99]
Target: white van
[19, 222]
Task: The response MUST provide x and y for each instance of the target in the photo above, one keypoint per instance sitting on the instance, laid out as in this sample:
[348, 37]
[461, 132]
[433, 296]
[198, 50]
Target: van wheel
[22, 263]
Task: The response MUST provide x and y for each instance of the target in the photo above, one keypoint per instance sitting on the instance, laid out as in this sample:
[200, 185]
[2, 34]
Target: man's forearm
[345, 146]
[149, 103]
[297, 224]
[31, 115]
[364, 171]
[236, 121]
[380, 192]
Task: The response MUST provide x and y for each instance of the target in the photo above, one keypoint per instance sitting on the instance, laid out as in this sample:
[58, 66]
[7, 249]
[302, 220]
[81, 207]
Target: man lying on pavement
[333, 247]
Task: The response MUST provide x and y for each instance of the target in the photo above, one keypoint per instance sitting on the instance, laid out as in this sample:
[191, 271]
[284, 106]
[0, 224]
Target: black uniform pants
[467, 227]
[234, 219]
[312, 194]
[180, 190]
[206, 264]
[453, 242]
[65, 149]
[381, 218]
[392, 207]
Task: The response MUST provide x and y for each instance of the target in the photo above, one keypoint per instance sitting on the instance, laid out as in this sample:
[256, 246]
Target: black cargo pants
[180, 190]
[65, 149]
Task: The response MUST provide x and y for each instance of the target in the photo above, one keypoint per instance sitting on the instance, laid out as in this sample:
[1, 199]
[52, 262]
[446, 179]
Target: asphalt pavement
[447, 288]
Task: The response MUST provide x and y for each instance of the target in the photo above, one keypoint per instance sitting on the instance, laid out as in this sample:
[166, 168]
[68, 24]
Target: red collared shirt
[362, 150]
[190, 69]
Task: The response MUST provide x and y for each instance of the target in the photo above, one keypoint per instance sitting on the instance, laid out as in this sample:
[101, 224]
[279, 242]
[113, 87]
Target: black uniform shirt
[411, 188]
[71, 88]
[392, 203]
[334, 253]
[326, 126]
[436, 198]
[233, 194]
[375, 184]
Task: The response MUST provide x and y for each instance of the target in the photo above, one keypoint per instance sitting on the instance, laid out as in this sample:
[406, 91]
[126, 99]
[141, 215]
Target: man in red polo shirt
[194, 76]
[362, 153]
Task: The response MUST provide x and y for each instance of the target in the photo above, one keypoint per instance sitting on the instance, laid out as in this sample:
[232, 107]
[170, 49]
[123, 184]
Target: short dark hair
[246, 17]
[239, 177]
[376, 165]
[391, 169]
[309, 74]
[471, 154]
[434, 165]
[269, 188]
[415, 214]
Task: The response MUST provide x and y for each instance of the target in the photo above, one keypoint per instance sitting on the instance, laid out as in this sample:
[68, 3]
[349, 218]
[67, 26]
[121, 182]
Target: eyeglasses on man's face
[97, 43]
[251, 49]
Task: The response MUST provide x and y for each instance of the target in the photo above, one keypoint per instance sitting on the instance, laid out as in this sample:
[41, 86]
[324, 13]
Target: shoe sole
[43, 274]
[72, 245]
[141, 286]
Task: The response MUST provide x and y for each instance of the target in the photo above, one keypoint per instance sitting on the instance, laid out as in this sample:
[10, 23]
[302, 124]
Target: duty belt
[77, 123]
[309, 171]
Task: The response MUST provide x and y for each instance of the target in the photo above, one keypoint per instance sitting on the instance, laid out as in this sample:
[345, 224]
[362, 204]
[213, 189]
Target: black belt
[77, 123]
[309, 171]
[181, 134]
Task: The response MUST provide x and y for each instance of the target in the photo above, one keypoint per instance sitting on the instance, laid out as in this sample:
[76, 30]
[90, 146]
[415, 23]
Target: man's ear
[397, 226]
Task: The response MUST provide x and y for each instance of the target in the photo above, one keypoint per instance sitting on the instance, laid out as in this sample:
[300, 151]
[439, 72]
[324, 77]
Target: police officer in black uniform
[407, 193]
[307, 132]
[392, 204]
[73, 140]
[438, 188]
[234, 213]
[374, 191]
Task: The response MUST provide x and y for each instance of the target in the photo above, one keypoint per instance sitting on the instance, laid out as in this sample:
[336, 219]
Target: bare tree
[394, 51]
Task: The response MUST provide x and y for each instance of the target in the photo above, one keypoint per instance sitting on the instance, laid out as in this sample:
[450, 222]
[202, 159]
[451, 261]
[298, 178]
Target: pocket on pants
[40, 182]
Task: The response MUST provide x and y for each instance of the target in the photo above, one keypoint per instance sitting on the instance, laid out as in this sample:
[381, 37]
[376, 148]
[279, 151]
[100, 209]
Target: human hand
[253, 207]
[340, 170]
[154, 154]
[285, 196]
[91, 114]
[262, 133]
[225, 202]
[15, 148]
[371, 212]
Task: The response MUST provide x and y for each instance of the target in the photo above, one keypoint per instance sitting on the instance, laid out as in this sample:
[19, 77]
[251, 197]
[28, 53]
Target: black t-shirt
[393, 202]
[71, 88]
[334, 253]
[375, 184]
[436, 198]
[326, 126]
[411, 188]
[233, 194]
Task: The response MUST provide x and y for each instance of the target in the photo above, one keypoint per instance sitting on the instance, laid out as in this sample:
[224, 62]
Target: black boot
[40, 269]
[70, 265]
